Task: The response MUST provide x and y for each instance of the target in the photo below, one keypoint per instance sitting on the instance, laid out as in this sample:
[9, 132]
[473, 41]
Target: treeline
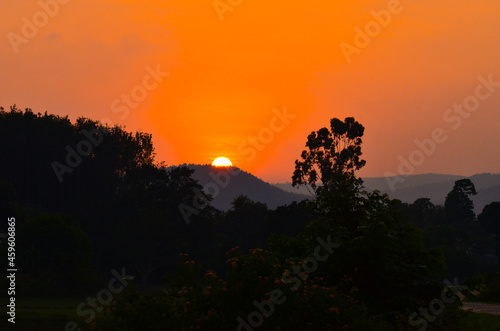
[358, 264]
[88, 198]
[469, 244]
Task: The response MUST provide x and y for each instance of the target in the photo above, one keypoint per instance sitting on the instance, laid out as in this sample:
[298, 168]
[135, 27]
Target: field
[53, 314]
[45, 314]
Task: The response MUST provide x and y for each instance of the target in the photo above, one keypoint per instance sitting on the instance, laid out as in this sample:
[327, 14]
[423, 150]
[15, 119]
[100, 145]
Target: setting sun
[222, 162]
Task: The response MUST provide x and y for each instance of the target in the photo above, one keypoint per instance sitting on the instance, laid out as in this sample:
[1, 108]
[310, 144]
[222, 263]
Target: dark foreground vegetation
[91, 203]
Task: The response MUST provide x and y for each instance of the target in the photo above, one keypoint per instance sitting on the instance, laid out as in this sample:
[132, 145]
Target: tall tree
[332, 157]
[458, 206]
[383, 256]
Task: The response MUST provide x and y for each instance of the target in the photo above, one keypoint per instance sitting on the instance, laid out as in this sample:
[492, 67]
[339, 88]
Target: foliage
[466, 247]
[383, 256]
[215, 304]
[246, 223]
[332, 156]
[488, 286]
[34, 142]
[490, 218]
[490, 221]
[458, 206]
[115, 194]
[56, 253]
[125, 205]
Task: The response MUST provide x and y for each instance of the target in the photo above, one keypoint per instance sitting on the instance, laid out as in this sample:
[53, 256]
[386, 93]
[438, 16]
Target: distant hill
[214, 181]
[433, 186]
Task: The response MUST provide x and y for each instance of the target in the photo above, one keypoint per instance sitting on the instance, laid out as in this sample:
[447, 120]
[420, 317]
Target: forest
[95, 210]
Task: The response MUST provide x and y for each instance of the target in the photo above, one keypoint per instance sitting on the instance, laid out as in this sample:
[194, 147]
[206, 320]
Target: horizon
[379, 177]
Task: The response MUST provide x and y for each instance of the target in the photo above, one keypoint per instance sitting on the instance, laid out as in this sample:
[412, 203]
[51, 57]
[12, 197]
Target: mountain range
[434, 186]
[225, 184]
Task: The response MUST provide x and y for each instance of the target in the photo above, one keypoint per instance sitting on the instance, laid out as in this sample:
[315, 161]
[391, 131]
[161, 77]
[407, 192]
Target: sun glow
[222, 162]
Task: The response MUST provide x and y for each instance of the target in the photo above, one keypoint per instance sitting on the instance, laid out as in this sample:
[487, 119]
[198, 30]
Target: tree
[246, 223]
[423, 212]
[332, 157]
[288, 219]
[107, 180]
[490, 218]
[55, 251]
[356, 266]
[458, 206]
[147, 228]
[7, 199]
[382, 255]
[64, 167]
[490, 221]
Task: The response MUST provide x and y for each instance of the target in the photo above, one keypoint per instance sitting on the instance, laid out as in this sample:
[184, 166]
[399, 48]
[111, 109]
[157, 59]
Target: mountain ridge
[226, 183]
[433, 186]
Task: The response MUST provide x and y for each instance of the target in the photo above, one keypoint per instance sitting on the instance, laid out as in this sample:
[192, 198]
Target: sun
[222, 162]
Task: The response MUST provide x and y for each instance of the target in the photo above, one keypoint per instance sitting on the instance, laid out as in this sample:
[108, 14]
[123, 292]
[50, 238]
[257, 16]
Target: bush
[216, 304]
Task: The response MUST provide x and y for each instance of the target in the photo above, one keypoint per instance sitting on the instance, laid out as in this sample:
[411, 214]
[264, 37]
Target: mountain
[433, 186]
[225, 184]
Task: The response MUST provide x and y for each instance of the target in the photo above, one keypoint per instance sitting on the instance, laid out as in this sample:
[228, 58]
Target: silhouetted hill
[433, 186]
[224, 186]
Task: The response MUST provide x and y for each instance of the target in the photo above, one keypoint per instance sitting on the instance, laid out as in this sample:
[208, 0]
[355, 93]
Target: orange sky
[228, 78]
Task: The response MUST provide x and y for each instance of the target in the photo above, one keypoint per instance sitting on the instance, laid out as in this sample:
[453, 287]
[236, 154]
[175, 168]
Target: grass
[479, 322]
[45, 314]
[48, 314]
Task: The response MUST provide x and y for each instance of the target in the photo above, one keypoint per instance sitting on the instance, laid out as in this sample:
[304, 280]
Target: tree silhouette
[490, 218]
[490, 221]
[423, 212]
[355, 247]
[114, 191]
[246, 223]
[332, 157]
[55, 251]
[382, 254]
[458, 206]
[36, 143]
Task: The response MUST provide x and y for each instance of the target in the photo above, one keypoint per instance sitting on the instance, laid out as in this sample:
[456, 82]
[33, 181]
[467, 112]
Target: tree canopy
[458, 205]
[331, 157]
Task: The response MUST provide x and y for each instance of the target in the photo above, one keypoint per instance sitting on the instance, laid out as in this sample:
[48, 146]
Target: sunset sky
[274, 70]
